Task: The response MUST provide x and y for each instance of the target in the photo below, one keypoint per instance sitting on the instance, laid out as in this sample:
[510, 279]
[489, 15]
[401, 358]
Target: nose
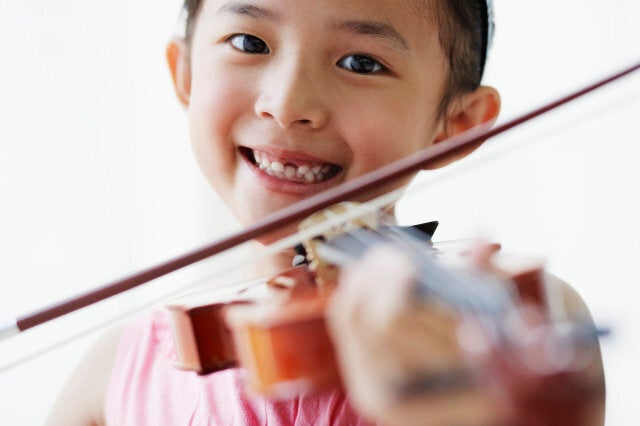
[291, 95]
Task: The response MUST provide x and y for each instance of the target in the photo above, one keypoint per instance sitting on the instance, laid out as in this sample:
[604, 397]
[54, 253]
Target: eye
[249, 44]
[360, 64]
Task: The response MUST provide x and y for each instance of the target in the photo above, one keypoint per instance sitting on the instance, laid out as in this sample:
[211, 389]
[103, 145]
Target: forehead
[412, 20]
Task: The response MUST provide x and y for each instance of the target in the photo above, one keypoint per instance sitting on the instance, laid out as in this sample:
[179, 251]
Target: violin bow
[278, 220]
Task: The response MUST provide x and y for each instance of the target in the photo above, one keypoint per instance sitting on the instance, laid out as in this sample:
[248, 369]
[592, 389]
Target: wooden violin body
[284, 346]
[282, 342]
[278, 336]
[203, 341]
[277, 325]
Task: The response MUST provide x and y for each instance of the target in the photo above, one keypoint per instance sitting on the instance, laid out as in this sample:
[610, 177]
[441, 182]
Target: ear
[179, 66]
[480, 107]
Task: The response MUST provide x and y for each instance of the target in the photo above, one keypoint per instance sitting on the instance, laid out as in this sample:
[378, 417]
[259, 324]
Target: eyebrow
[247, 9]
[373, 29]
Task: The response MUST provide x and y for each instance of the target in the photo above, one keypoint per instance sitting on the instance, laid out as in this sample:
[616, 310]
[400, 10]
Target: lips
[291, 169]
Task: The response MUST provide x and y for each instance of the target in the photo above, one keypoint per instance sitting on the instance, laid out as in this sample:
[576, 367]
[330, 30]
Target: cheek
[215, 105]
[388, 131]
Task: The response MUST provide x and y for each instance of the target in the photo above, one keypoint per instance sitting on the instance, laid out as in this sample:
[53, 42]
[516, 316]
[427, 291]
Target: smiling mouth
[291, 170]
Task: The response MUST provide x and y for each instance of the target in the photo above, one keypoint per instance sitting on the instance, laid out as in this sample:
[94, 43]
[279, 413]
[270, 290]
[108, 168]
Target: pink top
[146, 389]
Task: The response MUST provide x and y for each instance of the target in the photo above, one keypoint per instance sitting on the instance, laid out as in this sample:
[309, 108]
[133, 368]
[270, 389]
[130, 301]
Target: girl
[287, 98]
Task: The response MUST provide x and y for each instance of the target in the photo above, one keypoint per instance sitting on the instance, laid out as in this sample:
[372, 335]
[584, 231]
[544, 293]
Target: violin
[204, 342]
[284, 347]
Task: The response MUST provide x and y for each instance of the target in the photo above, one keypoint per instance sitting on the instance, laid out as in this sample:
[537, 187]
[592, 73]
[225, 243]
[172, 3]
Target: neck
[267, 266]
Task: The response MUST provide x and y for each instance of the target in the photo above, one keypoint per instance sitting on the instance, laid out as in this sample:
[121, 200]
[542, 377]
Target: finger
[372, 290]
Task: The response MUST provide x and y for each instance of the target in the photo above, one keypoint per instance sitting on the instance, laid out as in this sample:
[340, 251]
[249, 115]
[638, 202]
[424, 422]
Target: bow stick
[278, 220]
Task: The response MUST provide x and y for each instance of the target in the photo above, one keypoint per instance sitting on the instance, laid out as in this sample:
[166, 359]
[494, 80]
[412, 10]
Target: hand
[389, 347]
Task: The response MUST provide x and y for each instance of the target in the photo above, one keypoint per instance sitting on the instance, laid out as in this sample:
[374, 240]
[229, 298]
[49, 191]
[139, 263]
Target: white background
[97, 179]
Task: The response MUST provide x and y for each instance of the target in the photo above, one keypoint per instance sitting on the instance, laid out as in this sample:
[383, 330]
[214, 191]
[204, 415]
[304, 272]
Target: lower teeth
[302, 174]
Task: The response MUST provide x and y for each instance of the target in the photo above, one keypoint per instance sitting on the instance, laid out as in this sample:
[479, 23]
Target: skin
[279, 78]
[82, 400]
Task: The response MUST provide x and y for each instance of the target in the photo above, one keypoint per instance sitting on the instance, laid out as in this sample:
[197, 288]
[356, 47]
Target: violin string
[430, 278]
[436, 279]
[481, 290]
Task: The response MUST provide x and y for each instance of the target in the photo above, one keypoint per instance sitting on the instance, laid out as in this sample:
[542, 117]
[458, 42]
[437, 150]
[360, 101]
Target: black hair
[465, 28]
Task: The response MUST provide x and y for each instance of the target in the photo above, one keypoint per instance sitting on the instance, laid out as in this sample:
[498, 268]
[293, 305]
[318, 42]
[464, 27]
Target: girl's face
[290, 97]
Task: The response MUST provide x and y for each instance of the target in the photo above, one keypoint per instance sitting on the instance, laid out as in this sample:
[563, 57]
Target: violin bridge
[333, 221]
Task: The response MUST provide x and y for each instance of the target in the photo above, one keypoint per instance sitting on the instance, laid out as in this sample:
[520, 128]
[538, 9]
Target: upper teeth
[300, 173]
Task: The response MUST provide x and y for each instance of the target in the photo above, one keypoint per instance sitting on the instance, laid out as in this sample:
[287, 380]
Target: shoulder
[566, 304]
[564, 301]
[82, 399]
